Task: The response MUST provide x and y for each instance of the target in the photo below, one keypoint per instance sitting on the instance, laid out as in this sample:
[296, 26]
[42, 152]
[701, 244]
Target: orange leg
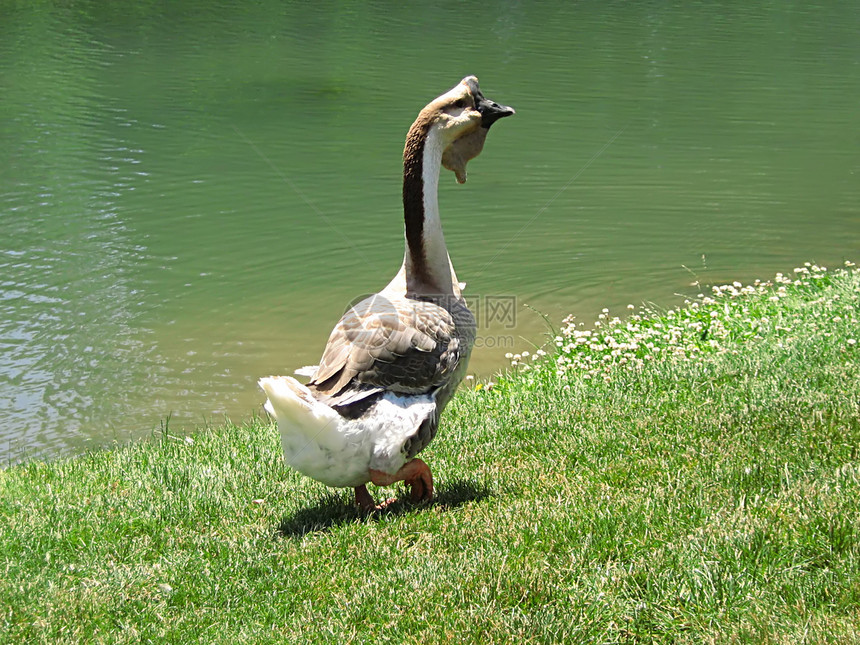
[416, 474]
[364, 500]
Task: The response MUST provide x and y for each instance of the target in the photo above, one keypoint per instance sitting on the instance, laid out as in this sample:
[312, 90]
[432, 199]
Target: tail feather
[307, 370]
[299, 414]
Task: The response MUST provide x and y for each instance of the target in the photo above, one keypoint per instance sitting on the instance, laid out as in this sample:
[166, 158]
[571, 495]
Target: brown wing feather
[399, 344]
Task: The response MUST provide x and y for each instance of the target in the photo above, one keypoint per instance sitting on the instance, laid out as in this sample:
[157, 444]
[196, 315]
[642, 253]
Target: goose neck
[427, 264]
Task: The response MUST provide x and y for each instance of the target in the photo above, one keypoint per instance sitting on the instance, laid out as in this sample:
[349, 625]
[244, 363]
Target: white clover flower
[852, 341]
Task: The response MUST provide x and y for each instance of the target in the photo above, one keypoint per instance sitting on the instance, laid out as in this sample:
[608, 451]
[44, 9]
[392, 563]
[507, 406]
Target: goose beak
[491, 111]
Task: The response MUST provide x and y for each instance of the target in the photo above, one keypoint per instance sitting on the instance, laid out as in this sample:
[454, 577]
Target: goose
[394, 360]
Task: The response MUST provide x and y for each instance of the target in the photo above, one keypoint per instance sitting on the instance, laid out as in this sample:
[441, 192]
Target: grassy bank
[678, 476]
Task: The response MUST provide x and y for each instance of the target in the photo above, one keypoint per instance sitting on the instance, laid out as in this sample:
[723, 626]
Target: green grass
[685, 476]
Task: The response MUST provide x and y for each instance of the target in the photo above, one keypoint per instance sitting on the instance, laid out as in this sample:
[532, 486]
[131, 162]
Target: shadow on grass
[333, 511]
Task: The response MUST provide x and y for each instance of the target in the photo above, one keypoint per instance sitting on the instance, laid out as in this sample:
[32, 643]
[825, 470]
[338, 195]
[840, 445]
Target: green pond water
[191, 193]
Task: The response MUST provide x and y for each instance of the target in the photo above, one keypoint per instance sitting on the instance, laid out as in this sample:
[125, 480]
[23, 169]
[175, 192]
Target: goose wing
[399, 344]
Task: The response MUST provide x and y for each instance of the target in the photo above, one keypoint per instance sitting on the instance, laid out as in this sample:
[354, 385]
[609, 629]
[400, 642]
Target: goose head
[461, 117]
[469, 144]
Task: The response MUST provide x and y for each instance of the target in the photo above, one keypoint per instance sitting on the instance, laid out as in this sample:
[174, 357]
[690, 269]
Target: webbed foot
[415, 474]
[365, 502]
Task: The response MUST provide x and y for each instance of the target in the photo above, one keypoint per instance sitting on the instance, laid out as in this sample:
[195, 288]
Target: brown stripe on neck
[413, 196]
